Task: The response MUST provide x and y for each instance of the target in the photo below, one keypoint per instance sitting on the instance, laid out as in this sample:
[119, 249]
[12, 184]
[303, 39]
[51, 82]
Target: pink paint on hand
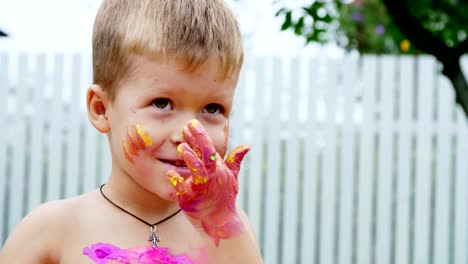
[208, 196]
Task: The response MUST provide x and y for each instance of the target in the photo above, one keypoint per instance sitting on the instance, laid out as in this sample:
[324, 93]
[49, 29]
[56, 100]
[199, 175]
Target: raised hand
[208, 196]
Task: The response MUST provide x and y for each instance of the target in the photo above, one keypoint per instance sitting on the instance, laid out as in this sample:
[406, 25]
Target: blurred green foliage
[365, 25]
[436, 27]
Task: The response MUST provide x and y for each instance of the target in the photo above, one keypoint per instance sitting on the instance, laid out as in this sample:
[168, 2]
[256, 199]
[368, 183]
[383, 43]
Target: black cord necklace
[153, 237]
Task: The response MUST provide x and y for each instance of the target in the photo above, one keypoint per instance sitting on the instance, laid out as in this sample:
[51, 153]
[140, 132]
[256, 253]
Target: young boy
[165, 72]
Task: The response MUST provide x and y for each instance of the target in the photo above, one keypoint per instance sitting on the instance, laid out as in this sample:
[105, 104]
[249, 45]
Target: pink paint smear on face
[103, 253]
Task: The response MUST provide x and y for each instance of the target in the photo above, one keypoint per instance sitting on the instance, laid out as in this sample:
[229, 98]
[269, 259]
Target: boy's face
[161, 97]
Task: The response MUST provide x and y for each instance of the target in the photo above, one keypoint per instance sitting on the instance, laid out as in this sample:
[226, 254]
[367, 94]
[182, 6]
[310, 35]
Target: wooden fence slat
[364, 236]
[256, 169]
[90, 148]
[461, 206]
[423, 164]
[309, 185]
[291, 181]
[328, 213]
[54, 148]
[73, 129]
[37, 160]
[403, 194]
[90, 158]
[460, 228]
[4, 85]
[272, 214]
[238, 127]
[347, 143]
[385, 163]
[17, 188]
[106, 163]
[443, 171]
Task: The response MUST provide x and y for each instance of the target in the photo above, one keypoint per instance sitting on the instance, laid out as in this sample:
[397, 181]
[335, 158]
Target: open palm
[208, 196]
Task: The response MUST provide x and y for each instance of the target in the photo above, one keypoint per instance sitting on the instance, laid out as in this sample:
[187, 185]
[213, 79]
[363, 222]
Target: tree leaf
[299, 26]
[287, 21]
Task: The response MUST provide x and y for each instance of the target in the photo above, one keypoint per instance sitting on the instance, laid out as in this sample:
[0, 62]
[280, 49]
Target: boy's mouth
[176, 163]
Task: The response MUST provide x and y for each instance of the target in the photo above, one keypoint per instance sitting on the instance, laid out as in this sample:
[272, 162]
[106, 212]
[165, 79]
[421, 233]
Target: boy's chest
[179, 239]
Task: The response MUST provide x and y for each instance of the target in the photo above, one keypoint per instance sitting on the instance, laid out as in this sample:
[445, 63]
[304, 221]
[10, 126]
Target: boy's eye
[213, 109]
[162, 103]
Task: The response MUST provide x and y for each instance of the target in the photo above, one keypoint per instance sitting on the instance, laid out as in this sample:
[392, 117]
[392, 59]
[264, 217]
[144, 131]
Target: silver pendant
[153, 237]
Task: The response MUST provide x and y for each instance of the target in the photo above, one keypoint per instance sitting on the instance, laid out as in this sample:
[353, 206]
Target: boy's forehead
[211, 66]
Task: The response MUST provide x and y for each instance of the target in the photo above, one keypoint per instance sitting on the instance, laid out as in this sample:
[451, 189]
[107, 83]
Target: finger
[209, 155]
[200, 136]
[199, 133]
[235, 158]
[178, 182]
[190, 139]
[193, 163]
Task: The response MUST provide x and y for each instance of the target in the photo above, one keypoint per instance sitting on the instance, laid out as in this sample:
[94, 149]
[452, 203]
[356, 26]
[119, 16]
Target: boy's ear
[97, 103]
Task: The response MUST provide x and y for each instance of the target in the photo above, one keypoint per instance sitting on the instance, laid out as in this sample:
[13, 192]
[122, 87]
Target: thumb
[233, 161]
[178, 182]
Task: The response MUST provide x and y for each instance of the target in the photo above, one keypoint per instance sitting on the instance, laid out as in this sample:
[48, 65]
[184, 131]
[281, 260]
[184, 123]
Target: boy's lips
[178, 165]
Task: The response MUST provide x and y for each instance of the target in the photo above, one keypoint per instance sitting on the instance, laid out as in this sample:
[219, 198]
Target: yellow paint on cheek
[145, 136]
[125, 147]
[126, 151]
[134, 137]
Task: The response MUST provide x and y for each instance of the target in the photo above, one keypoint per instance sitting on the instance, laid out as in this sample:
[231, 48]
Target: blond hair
[192, 30]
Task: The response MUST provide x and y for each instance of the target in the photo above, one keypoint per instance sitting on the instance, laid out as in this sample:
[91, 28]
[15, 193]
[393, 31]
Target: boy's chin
[168, 193]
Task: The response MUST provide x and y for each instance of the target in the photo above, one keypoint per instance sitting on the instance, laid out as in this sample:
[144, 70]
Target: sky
[66, 25]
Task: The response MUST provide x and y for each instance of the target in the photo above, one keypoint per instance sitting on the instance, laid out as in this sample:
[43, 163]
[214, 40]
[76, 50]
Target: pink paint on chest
[103, 253]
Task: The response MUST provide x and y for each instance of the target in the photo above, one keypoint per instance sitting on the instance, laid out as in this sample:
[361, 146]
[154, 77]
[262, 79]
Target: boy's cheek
[135, 140]
[221, 139]
[226, 139]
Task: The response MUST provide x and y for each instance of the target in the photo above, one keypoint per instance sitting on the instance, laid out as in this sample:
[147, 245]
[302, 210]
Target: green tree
[436, 27]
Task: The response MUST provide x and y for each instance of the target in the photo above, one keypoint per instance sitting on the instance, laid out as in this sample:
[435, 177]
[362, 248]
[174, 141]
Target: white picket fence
[354, 160]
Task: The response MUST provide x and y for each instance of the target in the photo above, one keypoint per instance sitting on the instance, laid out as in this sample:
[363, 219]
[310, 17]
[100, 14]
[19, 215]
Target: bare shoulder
[41, 231]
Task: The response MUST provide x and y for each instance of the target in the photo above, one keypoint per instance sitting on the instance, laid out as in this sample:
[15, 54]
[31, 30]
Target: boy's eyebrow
[218, 96]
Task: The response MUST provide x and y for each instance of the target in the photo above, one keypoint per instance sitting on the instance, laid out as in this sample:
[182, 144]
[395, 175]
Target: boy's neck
[129, 195]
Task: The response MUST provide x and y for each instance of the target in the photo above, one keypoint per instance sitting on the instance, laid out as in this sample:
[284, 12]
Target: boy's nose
[176, 136]
[178, 124]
